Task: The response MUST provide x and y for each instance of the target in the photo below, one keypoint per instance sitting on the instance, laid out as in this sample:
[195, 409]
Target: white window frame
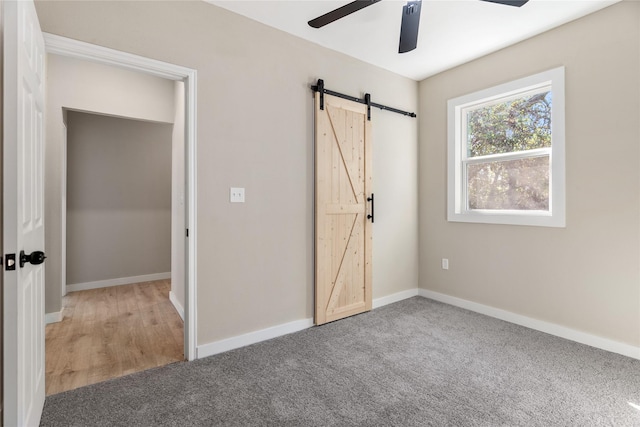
[457, 205]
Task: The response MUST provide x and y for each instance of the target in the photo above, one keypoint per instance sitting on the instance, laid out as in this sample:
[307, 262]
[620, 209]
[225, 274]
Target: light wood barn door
[343, 231]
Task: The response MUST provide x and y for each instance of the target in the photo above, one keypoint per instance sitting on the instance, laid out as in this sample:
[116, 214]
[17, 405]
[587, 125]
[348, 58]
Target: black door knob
[35, 258]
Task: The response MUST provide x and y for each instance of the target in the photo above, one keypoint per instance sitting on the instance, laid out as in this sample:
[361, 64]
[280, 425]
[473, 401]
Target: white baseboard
[176, 304]
[252, 338]
[117, 282]
[284, 329]
[390, 299]
[538, 325]
[52, 317]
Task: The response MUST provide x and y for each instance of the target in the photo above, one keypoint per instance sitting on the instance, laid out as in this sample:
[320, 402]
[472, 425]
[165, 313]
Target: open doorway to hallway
[122, 225]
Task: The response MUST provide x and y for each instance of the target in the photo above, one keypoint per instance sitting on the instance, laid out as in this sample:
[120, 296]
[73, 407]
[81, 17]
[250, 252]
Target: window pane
[516, 125]
[521, 184]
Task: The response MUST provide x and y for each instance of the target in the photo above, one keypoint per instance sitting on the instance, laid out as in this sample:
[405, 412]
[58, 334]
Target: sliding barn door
[343, 231]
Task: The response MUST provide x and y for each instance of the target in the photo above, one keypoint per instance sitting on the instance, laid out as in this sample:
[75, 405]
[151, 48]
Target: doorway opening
[121, 248]
[182, 200]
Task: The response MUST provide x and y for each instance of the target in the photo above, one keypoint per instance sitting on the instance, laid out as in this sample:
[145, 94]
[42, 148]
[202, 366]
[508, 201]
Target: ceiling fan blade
[410, 24]
[516, 3]
[340, 12]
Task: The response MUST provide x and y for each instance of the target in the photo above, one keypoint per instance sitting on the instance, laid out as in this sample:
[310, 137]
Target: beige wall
[118, 197]
[86, 86]
[585, 276]
[255, 128]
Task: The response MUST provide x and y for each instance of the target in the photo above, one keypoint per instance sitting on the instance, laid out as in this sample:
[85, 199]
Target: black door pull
[372, 214]
[35, 258]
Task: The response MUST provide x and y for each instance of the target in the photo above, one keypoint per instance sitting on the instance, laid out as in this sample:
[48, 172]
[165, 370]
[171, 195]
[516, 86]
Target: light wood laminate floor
[109, 332]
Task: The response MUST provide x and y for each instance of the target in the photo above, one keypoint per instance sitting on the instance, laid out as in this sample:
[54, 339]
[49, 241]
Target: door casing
[59, 45]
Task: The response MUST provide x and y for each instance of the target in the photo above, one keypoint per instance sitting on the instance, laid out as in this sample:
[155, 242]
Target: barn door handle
[372, 214]
[34, 258]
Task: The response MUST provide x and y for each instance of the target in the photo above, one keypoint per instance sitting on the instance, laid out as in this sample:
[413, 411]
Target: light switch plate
[236, 195]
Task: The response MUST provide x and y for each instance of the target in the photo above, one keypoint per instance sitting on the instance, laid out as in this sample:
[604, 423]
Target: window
[506, 153]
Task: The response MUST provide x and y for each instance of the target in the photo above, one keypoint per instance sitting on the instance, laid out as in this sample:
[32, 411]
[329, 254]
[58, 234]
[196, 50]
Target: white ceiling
[452, 32]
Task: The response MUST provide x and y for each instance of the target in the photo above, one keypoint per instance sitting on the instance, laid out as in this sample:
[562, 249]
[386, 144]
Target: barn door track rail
[366, 100]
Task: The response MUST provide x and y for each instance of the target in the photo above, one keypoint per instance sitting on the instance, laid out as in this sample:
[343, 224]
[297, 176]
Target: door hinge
[10, 263]
[187, 232]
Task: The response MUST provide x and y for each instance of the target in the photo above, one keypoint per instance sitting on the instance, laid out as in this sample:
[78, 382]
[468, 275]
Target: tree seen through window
[516, 125]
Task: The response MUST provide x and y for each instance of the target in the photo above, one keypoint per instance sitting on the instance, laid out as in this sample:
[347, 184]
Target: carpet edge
[538, 325]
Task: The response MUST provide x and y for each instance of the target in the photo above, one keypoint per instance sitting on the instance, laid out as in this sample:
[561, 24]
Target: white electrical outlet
[445, 264]
[236, 195]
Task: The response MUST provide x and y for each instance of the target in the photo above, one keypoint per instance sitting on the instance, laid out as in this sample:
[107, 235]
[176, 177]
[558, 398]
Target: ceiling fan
[410, 18]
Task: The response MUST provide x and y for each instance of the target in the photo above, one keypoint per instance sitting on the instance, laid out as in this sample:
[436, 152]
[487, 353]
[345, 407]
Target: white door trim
[80, 50]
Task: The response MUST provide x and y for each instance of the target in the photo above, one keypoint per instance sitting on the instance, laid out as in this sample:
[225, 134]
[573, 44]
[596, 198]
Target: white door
[23, 153]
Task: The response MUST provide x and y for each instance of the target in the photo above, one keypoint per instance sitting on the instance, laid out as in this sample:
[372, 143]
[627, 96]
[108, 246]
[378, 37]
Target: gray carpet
[413, 363]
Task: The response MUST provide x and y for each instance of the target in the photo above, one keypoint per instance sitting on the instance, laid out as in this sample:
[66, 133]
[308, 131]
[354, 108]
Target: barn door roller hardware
[366, 101]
